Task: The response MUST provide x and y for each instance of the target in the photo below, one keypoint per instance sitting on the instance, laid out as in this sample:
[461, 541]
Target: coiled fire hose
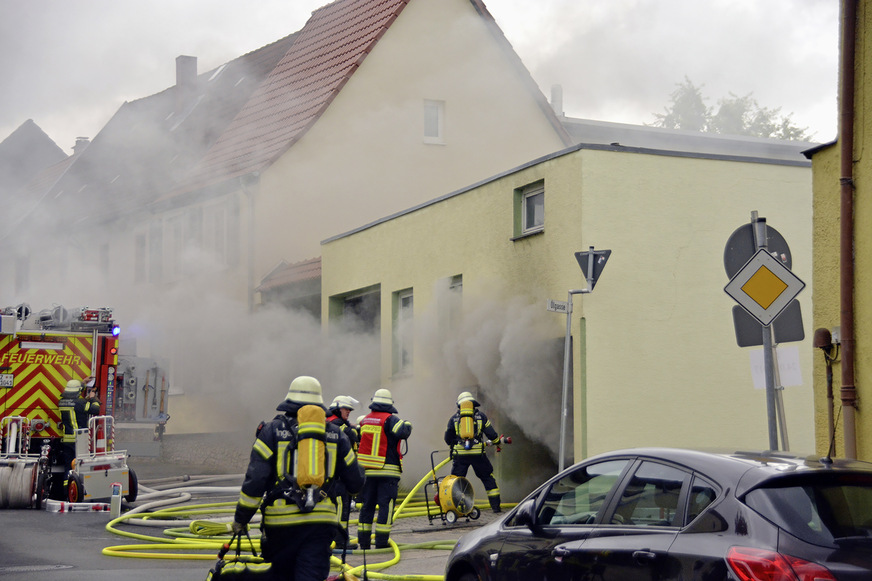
[190, 535]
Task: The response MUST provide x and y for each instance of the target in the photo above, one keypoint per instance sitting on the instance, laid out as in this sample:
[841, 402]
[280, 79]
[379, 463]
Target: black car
[661, 513]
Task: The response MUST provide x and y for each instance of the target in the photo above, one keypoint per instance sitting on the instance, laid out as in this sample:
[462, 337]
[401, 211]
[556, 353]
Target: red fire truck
[39, 353]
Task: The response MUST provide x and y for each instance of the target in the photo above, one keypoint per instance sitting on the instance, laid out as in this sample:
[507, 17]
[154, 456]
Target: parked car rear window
[829, 510]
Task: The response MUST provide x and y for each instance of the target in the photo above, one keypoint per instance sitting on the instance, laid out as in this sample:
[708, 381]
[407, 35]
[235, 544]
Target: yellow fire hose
[188, 543]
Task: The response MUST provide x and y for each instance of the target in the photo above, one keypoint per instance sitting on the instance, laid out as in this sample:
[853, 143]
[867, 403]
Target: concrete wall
[366, 157]
[826, 169]
[654, 344]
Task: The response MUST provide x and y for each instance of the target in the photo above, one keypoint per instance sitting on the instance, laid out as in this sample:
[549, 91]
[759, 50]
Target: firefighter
[296, 535]
[337, 413]
[381, 435]
[75, 409]
[468, 447]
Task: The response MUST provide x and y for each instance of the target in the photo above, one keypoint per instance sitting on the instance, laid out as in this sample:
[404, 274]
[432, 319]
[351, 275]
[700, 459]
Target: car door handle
[642, 556]
[560, 552]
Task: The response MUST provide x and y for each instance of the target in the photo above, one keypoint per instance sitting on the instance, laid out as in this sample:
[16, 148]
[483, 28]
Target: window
[403, 331]
[534, 210]
[450, 300]
[214, 234]
[650, 498]
[175, 250]
[529, 209]
[361, 312]
[434, 115]
[579, 496]
[155, 252]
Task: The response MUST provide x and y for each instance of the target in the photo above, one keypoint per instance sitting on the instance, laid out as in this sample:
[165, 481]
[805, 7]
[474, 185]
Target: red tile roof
[325, 54]
[285, 273]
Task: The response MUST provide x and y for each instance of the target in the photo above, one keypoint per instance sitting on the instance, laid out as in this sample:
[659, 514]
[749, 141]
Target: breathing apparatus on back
[307, 481]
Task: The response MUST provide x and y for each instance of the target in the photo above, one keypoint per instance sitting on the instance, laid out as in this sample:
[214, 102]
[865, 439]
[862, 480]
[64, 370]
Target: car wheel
[468, 577]
[76, 488]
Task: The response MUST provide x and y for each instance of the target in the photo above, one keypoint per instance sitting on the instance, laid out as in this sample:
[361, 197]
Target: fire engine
[39, 353]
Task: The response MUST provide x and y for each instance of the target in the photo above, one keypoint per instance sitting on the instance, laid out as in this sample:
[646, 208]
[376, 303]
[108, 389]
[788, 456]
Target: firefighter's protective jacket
[75, 412]
[335, 417]
[484, 433]
[381, 435]
[271, 458]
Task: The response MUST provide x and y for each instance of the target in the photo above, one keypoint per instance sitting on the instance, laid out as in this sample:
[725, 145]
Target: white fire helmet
[466, 396]
[344, 402]
[305, 390]
[383, 396]
[74, 386]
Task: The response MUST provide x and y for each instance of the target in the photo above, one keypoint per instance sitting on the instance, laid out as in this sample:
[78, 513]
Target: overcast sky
[70, 64]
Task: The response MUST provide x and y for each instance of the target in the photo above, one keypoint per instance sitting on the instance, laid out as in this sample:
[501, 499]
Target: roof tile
[325, 54]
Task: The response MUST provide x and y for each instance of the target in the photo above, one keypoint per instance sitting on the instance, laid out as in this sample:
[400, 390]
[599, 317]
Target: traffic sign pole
[592, 264]
[768, 358]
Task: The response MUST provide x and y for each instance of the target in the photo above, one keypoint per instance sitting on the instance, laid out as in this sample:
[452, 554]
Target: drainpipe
[846, 239]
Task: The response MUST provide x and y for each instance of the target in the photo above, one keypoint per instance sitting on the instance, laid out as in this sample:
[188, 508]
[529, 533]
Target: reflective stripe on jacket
[484, 433]
[272, 456]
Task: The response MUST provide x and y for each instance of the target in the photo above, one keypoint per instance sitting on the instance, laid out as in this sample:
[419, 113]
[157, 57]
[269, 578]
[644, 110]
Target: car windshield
[828, 510]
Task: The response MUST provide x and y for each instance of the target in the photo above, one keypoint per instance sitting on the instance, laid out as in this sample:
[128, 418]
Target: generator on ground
[39, 354]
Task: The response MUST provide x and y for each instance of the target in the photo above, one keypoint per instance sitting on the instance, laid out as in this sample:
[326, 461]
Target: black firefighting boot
[495, 503]
[364, 535]
[381, 540]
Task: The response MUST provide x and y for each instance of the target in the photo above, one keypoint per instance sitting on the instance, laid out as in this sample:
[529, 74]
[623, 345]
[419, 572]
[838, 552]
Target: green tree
[734, 116]
[687, 110]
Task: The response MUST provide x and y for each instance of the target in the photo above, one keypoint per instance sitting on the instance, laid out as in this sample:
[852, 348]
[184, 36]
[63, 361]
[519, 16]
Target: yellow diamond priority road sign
[764, 287]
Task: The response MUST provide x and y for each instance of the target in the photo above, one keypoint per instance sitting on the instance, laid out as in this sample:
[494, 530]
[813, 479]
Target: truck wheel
[40, 492]
[132, 487]
[76, 488]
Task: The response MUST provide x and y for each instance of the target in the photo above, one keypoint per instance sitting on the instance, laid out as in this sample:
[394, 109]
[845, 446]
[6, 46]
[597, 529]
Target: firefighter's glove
[238, 528]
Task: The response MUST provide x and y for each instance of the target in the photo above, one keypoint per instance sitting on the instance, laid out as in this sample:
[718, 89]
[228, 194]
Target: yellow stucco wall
[366, 157]
[826, 169]
[659, 365]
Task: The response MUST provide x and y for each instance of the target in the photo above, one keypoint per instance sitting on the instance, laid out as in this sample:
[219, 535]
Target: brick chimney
[81, 144]
[186, 80]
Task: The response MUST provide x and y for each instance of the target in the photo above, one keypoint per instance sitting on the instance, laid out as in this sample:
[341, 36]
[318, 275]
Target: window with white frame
[403, 331]
[155, 251]
[533, 210]
[529, 203]
[434, 121]
[215, 233]
[175, 248]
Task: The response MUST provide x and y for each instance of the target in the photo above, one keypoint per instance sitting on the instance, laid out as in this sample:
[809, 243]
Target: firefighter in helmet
[76, 407]
[468, 434]
[337, 414]
[297, 528]
[381, 436]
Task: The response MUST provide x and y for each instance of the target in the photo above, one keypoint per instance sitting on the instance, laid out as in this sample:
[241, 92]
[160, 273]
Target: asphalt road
[53, 546]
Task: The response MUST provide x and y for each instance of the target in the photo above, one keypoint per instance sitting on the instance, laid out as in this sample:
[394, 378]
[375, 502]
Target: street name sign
[556, 306]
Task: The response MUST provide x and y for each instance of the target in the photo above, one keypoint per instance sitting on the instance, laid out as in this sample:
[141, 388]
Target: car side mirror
[526, 516]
